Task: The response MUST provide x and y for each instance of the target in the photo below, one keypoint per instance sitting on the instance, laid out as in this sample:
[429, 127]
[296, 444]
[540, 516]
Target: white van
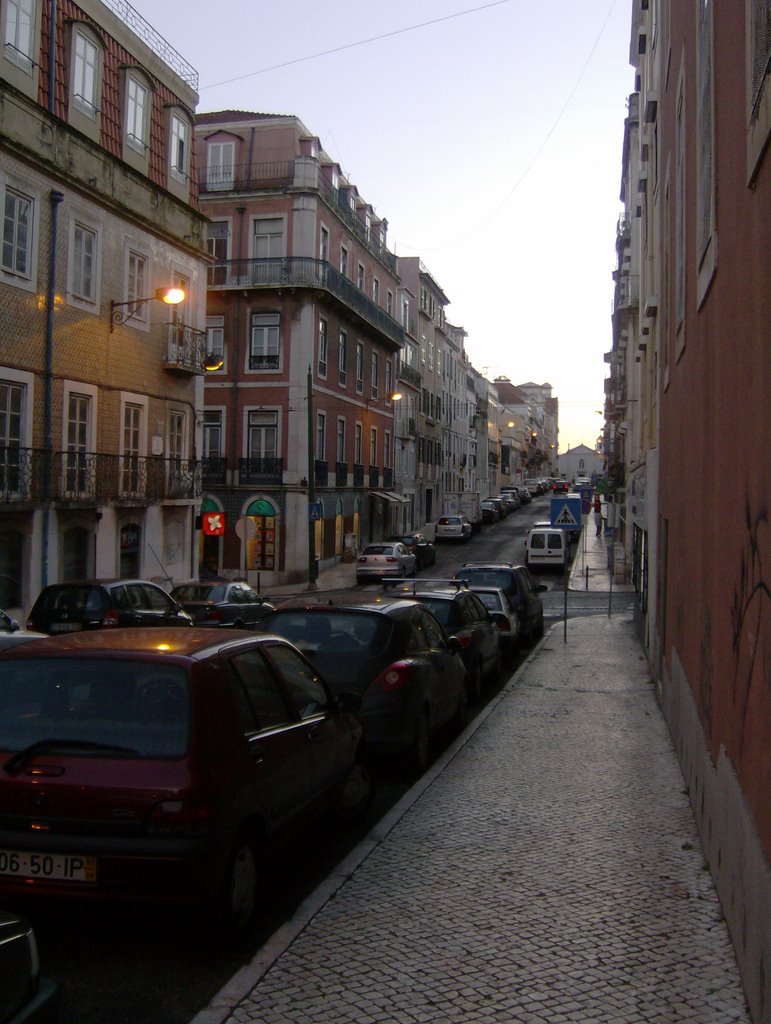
[546, 547]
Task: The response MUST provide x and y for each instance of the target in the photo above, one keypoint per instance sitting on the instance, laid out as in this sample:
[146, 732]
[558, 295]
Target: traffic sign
[566, 513]
[315, 511]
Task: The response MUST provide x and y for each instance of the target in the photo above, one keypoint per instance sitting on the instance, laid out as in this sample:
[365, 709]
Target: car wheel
[474, 683]
[420, 751]
[236, 901]
[357, 794]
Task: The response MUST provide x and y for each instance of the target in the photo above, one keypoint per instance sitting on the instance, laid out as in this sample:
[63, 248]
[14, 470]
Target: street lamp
[120, 315]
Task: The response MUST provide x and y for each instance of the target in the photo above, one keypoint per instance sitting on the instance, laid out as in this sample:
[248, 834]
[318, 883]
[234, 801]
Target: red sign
[213, 523]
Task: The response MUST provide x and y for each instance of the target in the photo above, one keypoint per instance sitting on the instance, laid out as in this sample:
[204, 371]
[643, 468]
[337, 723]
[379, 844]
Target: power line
[360, 42]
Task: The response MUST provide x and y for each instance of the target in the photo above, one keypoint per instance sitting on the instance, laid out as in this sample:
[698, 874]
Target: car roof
[488, 565]
[381, 604]
[174, 641]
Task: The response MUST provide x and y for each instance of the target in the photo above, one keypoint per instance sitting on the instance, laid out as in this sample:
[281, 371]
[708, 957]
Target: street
[134, 965]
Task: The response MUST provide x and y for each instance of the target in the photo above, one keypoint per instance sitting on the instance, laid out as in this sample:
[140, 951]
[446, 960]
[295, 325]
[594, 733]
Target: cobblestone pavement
[548, 871]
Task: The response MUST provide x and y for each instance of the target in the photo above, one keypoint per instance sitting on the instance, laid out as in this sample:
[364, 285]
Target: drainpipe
[56, 198]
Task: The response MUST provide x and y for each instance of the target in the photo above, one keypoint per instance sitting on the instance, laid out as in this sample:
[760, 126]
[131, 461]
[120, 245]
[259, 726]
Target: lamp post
[119, 314]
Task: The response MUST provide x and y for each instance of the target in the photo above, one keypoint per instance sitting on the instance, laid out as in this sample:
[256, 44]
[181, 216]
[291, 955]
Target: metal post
[313, 569]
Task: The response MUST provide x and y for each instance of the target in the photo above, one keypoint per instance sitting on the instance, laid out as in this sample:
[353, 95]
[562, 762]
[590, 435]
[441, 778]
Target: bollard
[586, 570]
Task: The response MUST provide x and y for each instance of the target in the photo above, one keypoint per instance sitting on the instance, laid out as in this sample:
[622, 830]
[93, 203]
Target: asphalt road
[139, 965]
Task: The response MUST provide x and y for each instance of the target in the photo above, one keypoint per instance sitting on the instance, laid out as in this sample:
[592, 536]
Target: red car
[162, 764]
[560, 487]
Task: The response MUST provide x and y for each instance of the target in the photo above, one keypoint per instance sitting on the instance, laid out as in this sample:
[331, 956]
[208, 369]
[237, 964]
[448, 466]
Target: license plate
[65, 627]
[60, 867]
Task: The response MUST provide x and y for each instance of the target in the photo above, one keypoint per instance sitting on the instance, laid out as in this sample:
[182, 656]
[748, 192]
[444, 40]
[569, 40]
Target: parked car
[518, 583]
[420, 546]
[524, 495]
[489, 511]
[377, 561]
[395, 654]
[171, 761]
[534, 487]
[498, 502]
[546, 547]
[464, 616]
[19, 636]
[103, 604]
[26, 997]
[512, 494]
[232, 605]
[498, 603]
[453, 528]
[560, 487]
[7, 624]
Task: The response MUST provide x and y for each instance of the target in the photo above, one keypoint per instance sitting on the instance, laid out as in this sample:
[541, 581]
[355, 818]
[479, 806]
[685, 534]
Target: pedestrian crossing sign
[566, 513]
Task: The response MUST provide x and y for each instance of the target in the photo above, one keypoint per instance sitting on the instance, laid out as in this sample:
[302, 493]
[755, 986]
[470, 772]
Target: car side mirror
[542, 588]
[454, 645]
[500, 620]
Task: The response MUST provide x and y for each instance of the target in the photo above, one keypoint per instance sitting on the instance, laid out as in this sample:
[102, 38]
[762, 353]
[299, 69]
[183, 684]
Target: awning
[390, 496]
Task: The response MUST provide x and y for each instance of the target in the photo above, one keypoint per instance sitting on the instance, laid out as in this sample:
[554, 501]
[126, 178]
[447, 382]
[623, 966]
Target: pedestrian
[598, 514]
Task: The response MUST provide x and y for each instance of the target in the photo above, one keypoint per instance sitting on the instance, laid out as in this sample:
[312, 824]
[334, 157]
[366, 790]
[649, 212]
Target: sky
[487, 132]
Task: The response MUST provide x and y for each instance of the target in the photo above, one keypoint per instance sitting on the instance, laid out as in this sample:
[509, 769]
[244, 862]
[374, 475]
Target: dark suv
[164, 764]
[517, 581]
[230, 605]
[464, 616]
[100, 604]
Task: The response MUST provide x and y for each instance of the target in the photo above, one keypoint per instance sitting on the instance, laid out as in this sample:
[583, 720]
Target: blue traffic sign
[315, 511]
[566, 513]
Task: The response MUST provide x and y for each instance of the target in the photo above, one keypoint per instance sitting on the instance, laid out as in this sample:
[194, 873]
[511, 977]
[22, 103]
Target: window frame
[261, 335]
[25, 278]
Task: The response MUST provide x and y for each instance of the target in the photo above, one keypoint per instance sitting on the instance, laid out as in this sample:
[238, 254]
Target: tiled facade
[98, 470]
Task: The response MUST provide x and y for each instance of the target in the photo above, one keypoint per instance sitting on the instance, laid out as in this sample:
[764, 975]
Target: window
[344, 261]
[390, 303]
[262, 434]
[137, 108]
[406, 314]
[217, 243]
[324, 245]
[11, 413]
[357, 444]
[131, 448]
[219, 166]
[323, 347]
[85, 74]
[359, 367]
[19, 19]
[388, 380]
[178, 154]
[373, 446]
[361, 277]
[176, 449]
[342, 359]
[264, 352]
[376, 291]
[341, 439]
[83, 265]
[268, 240]
[375, 369]
[387, 449]
[136, 282]
[212, 434]
[215, 336]
[321, 436]
[17, 234]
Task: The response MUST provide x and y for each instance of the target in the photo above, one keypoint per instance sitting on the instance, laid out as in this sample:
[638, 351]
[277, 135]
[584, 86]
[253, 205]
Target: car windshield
[490, 600]
[136, 705]
[378, 549]
[440, 608]
[338, 630]
[198, 592]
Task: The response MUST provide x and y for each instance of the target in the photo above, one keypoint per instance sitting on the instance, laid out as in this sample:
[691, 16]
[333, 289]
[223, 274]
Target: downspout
[234, 426]
[56, 198]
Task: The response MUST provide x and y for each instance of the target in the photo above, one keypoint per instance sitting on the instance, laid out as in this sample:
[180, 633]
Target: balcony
[374, 476]
[246, 177]
[627, 292]
[30, 477]
[321, 473]
[409, 375]
[260, 471]
[185, 349]
[214, 471]
[388, 478]
[341, 474]
[304, 272]
[358, 475]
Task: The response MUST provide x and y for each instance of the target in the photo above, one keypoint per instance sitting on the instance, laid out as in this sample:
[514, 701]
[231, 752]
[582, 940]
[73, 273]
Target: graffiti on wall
[751, 615]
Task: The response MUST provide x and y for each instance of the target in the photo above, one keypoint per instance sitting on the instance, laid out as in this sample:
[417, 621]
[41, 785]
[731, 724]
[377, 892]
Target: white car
[453, 528]
[387, 559]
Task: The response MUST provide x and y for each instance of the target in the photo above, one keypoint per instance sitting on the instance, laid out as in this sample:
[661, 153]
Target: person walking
[598, 514]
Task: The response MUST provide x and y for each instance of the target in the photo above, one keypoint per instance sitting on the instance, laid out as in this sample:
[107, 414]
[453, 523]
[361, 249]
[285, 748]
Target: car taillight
[363, 558]
[391, 558]
[181, 817]
[111, 617]
[505, 627]
[464, 639]
[212, 615]
[394, 677]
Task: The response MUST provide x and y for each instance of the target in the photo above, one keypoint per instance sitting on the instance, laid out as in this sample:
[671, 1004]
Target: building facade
[302, 312]
[101, 388]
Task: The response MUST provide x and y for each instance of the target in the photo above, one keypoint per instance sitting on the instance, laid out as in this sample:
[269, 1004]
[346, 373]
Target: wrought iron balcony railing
[32, 477]
[374, 476]
[214, 471]
[260, 471]
[304, 272]
[185, 348]
[358, 475]
[388, 477]
[341, 474]
[321, 473]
